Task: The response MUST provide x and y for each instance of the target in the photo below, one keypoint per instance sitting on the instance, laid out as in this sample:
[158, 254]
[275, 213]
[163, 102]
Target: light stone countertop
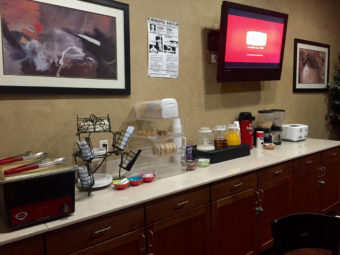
[109, 200]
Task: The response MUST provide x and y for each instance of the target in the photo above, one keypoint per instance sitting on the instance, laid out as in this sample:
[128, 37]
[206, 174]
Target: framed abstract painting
[311, 66]
[65, 46]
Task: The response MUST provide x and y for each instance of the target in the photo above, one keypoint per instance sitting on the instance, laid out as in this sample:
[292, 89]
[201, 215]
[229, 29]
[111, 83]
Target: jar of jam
[219, 139]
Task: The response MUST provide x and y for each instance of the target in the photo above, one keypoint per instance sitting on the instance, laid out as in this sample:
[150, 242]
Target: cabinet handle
[142, 247]
[321, 183]
[277, 172]
[307, 163]
[102, 230]
[324, 170]
[257, 197]
[334, 154]
[178, 205]
[259, 210]
[235, 186]
[150, 240]
[259, 194]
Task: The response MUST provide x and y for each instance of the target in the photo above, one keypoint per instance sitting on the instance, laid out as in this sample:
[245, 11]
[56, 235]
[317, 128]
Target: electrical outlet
[214, 58]
[104, 144]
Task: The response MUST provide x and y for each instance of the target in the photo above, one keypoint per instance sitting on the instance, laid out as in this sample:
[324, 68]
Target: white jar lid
[219, 128]
[205, 130]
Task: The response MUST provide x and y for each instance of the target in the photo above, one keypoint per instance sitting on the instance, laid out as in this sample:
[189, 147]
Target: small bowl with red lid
[148, 177]
[121, 184]
[135, 180]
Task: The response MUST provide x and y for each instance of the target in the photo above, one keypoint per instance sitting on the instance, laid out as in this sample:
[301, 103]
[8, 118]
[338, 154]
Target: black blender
[278, 118]
[264, 123]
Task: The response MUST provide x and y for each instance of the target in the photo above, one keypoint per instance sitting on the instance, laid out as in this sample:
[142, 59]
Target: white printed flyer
[163, 48]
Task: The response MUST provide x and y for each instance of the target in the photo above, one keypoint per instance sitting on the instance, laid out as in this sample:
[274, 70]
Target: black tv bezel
[246, 73]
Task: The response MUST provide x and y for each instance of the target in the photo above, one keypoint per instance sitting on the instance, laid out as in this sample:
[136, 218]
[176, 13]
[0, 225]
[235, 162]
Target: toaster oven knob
[65, 208]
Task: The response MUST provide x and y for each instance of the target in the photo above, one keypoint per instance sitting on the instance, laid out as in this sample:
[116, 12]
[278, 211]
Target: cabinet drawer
[233, 186]
[32, 246]
[169, 206]
[274, 172]
[82, 235]
[330, 155]
[307, 161]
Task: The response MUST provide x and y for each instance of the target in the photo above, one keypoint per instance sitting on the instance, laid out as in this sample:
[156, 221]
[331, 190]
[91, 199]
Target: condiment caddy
[86, 169]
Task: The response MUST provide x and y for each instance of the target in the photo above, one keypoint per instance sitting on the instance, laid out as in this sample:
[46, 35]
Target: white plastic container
[294, 132]
[166, 108]
[205, 140]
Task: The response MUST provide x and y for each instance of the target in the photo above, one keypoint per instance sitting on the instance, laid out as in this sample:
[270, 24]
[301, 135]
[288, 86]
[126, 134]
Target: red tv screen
[253, 39]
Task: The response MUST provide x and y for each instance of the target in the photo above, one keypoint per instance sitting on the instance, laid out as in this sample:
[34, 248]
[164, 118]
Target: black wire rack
[94, 124]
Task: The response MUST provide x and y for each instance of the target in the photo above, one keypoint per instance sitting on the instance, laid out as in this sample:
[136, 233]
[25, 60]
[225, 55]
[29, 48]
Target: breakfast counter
[108, 200]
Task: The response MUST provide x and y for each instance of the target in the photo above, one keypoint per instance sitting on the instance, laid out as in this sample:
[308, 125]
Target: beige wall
[48, 122]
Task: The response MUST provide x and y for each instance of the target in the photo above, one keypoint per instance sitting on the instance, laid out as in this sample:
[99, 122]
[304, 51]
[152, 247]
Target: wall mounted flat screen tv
[251, 43]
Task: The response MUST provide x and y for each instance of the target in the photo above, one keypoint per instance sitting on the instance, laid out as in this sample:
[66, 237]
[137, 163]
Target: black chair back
[306, 230]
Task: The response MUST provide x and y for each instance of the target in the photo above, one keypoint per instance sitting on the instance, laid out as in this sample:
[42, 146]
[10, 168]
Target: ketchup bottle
[246, 127]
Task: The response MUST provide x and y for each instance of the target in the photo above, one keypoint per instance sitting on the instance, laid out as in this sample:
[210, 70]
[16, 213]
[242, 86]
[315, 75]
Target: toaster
[32, 199]
[294, 132]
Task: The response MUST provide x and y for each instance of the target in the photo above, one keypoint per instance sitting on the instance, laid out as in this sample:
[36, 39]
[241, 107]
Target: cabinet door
[329, 187]
[306, 190]
[276, 201]
[233, 224]
[32, 246]
[132, 243]
[187, 233]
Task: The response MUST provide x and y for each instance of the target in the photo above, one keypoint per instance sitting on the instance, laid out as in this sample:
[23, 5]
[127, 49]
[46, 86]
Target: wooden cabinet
[274, 193]
[32, 246]
[183, 234]
[230, 217]
[166, 207]
[316, 182]
[241, 221]
[234, 224]
[275, 202]
[233, 215]
[179, 224]
[306, 183]
[306, 190]
[91, 232]
[329, 181]
[132, 243]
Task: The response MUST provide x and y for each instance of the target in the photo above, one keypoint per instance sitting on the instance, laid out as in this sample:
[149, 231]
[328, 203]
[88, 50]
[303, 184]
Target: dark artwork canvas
[311, 66]
[41, 39]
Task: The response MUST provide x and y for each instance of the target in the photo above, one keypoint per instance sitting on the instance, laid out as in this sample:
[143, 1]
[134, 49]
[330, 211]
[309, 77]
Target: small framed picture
[311, 66]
